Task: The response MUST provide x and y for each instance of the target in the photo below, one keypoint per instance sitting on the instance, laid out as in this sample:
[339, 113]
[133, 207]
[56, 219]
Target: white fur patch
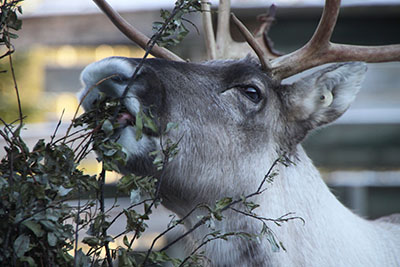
[99, 70]
[132, 146]
[96, 72]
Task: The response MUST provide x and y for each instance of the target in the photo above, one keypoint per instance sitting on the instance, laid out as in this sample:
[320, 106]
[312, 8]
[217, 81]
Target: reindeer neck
[329, 228]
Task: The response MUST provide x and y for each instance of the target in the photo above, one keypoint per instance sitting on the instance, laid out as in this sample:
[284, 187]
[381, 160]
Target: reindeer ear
[323, 96]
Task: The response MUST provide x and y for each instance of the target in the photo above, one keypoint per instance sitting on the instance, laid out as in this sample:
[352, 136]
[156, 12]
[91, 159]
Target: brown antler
[134, 34]
[319, 50]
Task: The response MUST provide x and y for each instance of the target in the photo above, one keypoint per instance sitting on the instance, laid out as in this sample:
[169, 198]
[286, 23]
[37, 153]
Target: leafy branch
[39, 227]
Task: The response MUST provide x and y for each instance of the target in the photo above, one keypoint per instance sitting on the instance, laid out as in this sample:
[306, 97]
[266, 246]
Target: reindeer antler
[319, 50]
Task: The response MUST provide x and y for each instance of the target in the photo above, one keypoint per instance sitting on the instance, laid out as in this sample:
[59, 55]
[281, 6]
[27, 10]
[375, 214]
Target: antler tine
[261, 34]
[134, 34]
[208, 30]
[319, 50]
[253, 43]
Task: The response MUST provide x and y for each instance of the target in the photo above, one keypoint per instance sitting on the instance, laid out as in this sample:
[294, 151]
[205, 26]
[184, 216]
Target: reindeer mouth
[125, 119]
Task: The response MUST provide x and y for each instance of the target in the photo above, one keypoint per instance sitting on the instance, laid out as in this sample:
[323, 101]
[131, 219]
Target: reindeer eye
[252, 93]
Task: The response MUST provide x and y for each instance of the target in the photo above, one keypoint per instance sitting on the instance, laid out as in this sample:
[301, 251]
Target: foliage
[175, 30]
[38, 224]
[34, 185]
[9, 21]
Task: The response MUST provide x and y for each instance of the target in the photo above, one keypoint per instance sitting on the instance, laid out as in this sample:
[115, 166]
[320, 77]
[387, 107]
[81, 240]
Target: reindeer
[235, 119]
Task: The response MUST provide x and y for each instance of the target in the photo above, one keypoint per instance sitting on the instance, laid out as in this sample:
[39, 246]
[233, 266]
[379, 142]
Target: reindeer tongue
[125, 118]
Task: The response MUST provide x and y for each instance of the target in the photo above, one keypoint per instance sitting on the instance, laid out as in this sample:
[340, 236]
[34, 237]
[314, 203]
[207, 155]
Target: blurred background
[359, 155]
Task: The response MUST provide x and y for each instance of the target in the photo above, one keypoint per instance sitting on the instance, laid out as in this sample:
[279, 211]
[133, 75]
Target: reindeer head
[235, 116]
[230, 113]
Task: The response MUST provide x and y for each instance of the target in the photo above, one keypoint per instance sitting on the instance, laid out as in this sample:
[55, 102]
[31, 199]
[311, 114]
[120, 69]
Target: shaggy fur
[227, 144]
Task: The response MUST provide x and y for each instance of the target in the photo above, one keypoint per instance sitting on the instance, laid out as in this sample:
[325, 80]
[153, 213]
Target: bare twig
[77, 226]
[134, 34]
[204, 219]
[102, 210]
[83, 98]
[180, 221]
[223, 235]
[277, 221]
[21, 116]
[57, 127]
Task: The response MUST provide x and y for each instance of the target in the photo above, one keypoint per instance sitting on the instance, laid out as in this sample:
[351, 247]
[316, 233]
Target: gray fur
[227, 144]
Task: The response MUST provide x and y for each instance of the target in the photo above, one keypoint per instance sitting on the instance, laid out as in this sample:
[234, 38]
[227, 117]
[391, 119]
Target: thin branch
[8, 52]
[209, 37]
[197, 225]
[57, 127]
[77, 226]
[67, 138]
[180, 221]
[204, 219]
[205, 243]
[134, 34]
[149, 47]
[21, 116]
[102, 210]
[83, 98]
[277, 221]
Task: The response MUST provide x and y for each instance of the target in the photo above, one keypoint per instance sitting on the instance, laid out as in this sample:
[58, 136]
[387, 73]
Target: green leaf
[139, 125]
[14, 22]
[107, 127]
[21, 245]
[150, 124]
[171, 126]
[125, 240]
[222, 203]
[52, 239]
[270, 238]
[34, 227]
[91, 241]
[110, 152]
[63, 191]
[124, 260]
[81, 259]
[12, 35]
[135, 196]
[48, 225]
[29, 260]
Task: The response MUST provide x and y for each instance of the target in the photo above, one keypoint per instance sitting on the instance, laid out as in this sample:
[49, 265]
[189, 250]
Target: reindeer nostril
[118, 78]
